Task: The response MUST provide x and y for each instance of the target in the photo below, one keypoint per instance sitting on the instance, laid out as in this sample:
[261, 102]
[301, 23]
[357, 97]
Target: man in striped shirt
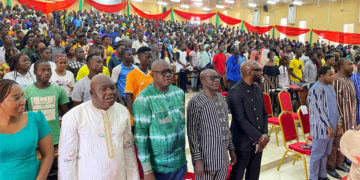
[324, 119]
[159, 121]
[208, 130]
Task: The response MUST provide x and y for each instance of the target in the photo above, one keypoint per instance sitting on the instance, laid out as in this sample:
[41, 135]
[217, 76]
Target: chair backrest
[285, 101]
[304, 120]
[287, 126]
[268, 107]
[303, 96]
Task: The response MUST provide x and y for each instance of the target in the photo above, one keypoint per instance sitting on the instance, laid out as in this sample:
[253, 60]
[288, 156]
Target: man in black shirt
[249, 126]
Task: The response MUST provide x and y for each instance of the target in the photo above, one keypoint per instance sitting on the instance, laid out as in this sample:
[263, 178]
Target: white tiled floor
[270, 160]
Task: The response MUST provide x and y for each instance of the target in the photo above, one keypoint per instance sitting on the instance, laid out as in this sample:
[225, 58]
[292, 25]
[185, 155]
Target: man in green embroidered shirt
[159, 122]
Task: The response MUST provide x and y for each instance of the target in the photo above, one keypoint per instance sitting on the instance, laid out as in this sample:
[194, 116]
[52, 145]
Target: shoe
[326, 178]
[343, 168]
[348, 163]
[333, 173]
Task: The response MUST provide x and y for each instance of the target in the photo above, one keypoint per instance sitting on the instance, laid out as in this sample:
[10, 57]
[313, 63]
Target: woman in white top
[284, 78]
[19, 66]
[194, 59]
[61, 76]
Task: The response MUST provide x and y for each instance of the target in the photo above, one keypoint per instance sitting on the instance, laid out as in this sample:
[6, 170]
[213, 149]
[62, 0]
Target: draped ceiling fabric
[291, 31]
[150, 16]
[257, 29]
[228, 20]
[108, 8]
[339, 37]
[47, 7]
[188, 16]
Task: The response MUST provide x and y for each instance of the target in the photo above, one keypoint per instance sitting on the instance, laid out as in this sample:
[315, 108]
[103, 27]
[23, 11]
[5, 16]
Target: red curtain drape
[107, 8]
[257, 29]
[188, 16]
[228, 20]
[339, 37]
[150, 16]
[291, 31]
[47, 7]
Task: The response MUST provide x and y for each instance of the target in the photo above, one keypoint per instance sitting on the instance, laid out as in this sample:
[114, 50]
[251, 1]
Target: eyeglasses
[165, 72]
[213, 78]
[256, 69]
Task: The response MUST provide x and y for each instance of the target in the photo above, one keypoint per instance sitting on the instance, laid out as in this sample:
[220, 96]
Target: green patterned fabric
[159, 121]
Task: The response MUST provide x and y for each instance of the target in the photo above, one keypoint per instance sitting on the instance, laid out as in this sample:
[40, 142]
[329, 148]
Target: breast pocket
[163, 119]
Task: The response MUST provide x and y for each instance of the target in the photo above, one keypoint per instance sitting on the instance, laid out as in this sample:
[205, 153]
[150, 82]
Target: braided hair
[14, 64]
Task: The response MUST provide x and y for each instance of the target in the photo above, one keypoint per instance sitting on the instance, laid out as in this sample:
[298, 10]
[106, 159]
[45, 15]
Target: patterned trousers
[220, 174]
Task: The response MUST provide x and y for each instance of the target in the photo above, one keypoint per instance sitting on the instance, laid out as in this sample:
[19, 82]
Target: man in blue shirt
[234, 62]
[120, 72]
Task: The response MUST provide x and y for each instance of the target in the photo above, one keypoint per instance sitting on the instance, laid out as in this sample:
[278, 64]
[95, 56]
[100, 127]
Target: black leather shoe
[326, 178]
[343, 168]
[333, 173]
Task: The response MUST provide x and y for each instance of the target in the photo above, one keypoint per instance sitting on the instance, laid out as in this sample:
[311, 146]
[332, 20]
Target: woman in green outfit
[20, 133]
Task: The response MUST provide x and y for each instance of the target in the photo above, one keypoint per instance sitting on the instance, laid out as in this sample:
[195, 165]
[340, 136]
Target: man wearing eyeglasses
[208, 128]
[159, 121]
[249, 126]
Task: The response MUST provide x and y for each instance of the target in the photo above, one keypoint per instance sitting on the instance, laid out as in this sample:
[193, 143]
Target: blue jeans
[177, 175]
[320, 150]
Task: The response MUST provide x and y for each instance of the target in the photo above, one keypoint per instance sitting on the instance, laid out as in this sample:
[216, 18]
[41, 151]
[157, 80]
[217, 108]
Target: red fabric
[229, 171]
[47, 7]
[107, 8]
[219, 61]
[273, 120]
[297, 147]
[257, 29]
[288, 126]
[344, 178]
[284, 98]
[294, 87]
[150, 16]
[189, 175]
[291, 31]
[295, 116]
[267, 102]
[309, 138]
[224, 94]
[188, 16]
[304, 118]
[228, 20]
[138, 162]
[339, 37]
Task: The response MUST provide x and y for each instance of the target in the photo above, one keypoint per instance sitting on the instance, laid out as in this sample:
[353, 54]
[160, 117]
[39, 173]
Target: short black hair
[67, 49]
[323, 70]
[328, 56]
[38, 62]
[89, 57]
[43, 49]
[143, 50]
[340, 63]
[124, 50]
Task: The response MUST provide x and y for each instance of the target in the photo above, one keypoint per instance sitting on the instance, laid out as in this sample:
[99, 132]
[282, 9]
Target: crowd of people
[89, 86]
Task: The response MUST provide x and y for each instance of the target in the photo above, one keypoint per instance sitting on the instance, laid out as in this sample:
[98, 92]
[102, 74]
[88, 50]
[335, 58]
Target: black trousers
[182, 80]
[247, 163]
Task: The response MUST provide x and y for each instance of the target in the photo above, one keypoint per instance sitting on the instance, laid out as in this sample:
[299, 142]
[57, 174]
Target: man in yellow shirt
[139, 78]
[296, 66]
[84, 71]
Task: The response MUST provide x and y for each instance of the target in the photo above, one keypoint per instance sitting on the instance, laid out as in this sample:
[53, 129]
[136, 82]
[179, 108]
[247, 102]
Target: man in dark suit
[249, 126]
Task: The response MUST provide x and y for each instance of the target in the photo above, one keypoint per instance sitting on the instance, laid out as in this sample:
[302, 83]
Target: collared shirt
[23, 81]
[159, 121]
[356, 80]
[346, 99]
[323, 110]
[219, 61]
[208, 128]
[233, 68]
[246, 103]
[113, 62]
[136, 81]
[136, 45]
[74, 66]
[55, 50]
[118, 76]
[97, 143]
[310, 72]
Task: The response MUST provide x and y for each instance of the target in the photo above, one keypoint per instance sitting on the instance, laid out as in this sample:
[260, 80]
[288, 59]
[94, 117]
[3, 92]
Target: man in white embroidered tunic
[96, 140]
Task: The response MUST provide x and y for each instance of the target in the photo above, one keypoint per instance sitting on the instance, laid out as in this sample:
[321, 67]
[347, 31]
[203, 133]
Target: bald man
[207, 113]
[96, 139]
[249, 126]
[159, 122]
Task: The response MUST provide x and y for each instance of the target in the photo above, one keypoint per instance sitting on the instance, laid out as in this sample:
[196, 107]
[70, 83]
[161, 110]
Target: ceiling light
[184, 6]
[219, 6]
[206, 9]
[271, 2]
[137, 0]
[298, 3]
[175, 0]
[162, 3]
[229, 1]
[252, 5]
[198, 3]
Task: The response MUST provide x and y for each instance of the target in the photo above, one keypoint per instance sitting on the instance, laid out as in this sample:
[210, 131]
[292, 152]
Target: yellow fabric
[108, 52]
[323, 62]
[84, 71]
[136, 81]
[277, 61]
[297, 66]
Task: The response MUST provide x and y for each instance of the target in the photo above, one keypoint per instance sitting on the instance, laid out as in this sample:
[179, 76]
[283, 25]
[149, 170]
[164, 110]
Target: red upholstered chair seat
[297, 147]
[224, 94]
[189, 175]
[295, 116]
[309, 138]
[273, 120]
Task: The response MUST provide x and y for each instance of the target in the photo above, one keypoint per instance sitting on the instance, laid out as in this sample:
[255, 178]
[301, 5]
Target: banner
[229, 20]
[257, 29]
[47, 7]
[291, 31]
[339, 37]
[150, 16]
[189, 16]
[113, 8]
